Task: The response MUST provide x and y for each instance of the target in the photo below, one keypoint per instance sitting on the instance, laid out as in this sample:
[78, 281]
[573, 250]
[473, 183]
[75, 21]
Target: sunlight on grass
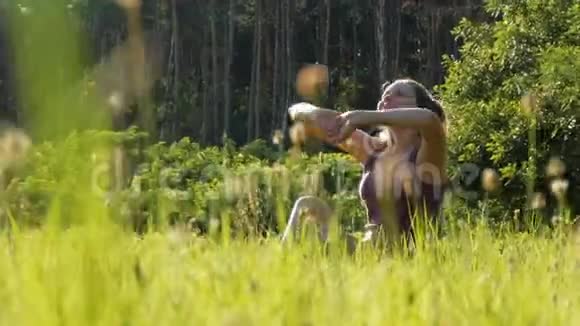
[101, 275]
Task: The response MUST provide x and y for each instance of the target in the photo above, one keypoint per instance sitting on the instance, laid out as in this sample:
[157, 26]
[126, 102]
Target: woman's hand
[314, 117]
[302, 111]
[346, 124]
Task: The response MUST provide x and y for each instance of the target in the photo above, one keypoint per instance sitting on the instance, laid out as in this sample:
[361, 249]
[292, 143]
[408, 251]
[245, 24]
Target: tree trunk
[215, 71]
[355, 42]
[204, 90]
[258, 71]
[397, 36]
[341, 44]
[326, 34]
[437, 73]
[289, 65]
[432, 48]
[250, 120]
[276, 69]
[176, 71]
[229, 49]
[380, 40]
[282, 80]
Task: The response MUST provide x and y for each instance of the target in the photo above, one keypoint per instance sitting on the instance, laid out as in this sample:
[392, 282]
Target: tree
[531, 48]
[228, 54]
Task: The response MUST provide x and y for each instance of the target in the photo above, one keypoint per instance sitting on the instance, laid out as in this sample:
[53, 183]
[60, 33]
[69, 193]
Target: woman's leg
[316, 209]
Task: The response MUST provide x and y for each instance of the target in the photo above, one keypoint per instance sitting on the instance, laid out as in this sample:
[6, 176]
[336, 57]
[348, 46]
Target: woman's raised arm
[433, 148]
[320, 123]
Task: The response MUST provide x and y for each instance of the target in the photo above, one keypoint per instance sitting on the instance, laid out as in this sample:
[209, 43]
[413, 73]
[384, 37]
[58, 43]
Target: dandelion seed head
[25, 11]
[490, 180]
[555, 168]
[129, 4]
[559, 187]
[528, 103]
[538, 201]
[312, 81]
[14, 146]
[116, 101]
[278, 137]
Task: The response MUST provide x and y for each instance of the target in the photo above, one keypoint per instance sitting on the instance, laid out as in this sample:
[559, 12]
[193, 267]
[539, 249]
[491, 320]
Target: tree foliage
[528, 53]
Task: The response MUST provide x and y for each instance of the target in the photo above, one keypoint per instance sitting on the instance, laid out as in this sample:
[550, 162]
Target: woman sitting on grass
[403, 168]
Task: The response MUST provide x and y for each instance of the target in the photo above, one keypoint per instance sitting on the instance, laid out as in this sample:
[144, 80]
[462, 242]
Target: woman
[403, 168]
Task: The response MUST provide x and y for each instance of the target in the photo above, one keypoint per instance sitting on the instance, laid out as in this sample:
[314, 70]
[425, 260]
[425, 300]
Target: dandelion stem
[531, 171]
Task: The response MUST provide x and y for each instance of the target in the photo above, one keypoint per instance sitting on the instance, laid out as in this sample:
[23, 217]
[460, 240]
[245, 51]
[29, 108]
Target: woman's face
[397, 95]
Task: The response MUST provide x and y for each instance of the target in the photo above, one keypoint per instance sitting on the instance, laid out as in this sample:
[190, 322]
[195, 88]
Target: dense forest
[228, 67]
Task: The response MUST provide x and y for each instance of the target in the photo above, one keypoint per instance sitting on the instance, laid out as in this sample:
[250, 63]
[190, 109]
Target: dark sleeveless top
[430, 197]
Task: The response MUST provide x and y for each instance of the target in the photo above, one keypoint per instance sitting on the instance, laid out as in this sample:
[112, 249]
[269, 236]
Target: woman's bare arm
[359, 144]
[425, 121]
[318, 122]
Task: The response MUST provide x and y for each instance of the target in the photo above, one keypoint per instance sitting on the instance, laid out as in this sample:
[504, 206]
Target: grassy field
[93, 272]
[98, 274]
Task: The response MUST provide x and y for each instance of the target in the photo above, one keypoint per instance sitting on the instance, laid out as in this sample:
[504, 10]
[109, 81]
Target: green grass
[101, 275]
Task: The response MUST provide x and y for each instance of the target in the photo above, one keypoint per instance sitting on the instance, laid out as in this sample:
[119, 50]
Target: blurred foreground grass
[95, 272]
[101, 275]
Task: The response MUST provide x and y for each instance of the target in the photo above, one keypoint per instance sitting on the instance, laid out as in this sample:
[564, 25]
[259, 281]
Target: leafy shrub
[182, 182]
[66, 172]
[531, 48]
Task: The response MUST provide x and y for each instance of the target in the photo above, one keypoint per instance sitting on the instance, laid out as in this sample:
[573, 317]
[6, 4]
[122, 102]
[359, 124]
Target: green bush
[531, 48]
[253, 187]
[254, 194]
